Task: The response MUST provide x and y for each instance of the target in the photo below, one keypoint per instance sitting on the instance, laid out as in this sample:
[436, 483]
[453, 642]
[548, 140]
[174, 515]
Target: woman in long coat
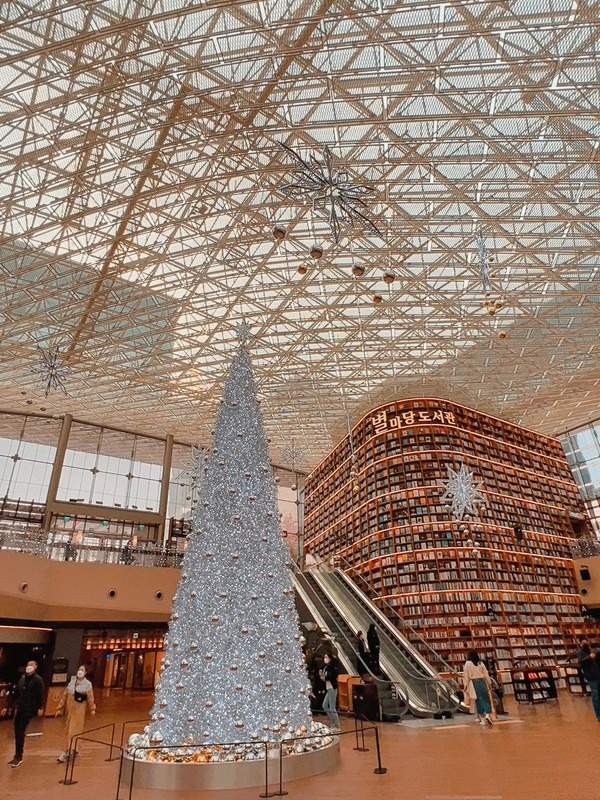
[77, 697]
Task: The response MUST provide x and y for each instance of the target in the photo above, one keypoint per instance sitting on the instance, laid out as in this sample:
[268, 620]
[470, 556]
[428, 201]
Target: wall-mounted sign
[383, 420]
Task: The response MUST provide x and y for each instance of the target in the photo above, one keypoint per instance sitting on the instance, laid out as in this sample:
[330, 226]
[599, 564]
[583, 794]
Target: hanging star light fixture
[51, 370]
[331, 191]
[463, 492]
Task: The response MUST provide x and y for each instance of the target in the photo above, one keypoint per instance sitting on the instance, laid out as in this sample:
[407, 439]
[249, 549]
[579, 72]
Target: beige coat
[471, 671]
[74, 711]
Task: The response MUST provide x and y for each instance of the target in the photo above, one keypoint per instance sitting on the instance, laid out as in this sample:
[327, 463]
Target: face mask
[30, 670]
[80, 673]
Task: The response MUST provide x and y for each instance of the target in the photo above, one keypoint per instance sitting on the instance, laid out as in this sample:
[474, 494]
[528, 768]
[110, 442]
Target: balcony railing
[25, 539]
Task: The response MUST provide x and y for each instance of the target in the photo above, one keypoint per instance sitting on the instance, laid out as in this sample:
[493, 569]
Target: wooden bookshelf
[534, 686]
[375, 500]
[576, 683]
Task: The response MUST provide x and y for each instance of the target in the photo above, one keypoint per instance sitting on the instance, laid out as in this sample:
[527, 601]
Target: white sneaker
[62, 758]
[336, 730]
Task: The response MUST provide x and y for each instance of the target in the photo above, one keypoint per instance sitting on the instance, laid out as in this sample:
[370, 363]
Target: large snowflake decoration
[331, 191]
[463, 492]
[484, 261]
[292, 455]
[193, 474]
[51, 370]
[193, 469]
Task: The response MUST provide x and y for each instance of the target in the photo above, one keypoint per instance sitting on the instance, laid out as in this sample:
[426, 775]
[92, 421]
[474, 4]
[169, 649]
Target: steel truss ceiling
[140, 181]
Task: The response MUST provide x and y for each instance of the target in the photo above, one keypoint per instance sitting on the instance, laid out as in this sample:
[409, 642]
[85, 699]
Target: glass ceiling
[141, 179]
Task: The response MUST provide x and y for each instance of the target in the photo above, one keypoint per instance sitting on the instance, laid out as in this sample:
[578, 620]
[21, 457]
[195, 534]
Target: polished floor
[542, 752]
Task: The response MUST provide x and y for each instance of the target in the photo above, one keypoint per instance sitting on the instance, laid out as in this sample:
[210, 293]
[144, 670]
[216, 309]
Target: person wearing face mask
[28, 699]
[78, 696]
[330, 673]
[589, 661]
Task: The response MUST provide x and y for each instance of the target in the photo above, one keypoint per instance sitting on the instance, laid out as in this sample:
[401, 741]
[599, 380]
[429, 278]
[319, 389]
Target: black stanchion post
[380, 770]
[119, 777]
[281, 791]
[131, 776]
[356, 731]
[266, 792]
[112, 743]
[64, 780]
[73, 753]
[360, 749]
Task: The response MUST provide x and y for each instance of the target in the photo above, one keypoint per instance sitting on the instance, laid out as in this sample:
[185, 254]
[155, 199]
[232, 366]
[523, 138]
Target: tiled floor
[542, 752]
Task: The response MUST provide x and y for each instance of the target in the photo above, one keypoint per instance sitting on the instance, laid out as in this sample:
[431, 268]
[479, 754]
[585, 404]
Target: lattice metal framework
[140, 181]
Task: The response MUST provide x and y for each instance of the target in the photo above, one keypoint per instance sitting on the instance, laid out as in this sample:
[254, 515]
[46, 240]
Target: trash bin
[365, 701]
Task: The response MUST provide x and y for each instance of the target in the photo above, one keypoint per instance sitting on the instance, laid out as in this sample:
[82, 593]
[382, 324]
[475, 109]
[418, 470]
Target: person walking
[330, 673]
[589, 661]
[374, 647]
[78, 695]
[28, 699]
[361, 653]
[477, 686]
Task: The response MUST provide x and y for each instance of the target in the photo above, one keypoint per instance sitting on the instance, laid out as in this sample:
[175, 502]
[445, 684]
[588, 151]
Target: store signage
[382, 421]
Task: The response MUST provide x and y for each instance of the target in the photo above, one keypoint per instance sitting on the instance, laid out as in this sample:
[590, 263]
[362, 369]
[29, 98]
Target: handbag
[79, 697]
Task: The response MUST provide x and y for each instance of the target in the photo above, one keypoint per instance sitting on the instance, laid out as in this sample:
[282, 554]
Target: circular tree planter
[171, 776]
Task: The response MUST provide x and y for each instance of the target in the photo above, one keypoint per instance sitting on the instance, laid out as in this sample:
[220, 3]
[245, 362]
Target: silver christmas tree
[233, 667]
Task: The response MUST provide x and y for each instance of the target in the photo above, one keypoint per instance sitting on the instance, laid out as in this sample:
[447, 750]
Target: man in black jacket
[29, 701]
[590, 666]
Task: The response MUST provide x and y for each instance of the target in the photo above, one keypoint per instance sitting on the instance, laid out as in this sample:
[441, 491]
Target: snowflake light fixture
[193, 468]
[292, 455]
[463, 492]
[484, 261]
[331, 191]
[51, 370]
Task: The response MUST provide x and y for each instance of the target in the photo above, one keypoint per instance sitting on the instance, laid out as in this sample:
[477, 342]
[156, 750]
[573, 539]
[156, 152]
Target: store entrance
[132, 670]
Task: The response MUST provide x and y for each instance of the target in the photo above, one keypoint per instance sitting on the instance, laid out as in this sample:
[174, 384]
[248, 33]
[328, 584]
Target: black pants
[22, 720]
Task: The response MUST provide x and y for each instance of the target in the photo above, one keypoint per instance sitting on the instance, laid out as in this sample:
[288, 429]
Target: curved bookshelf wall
[503, 582]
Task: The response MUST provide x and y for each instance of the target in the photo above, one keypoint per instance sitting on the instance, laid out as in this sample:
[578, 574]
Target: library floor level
[537, 752]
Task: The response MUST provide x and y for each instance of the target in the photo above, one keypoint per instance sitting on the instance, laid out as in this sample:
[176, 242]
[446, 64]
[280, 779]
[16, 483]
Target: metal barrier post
[119, 778]
[266, 793]
[112, 744]
[131, 776]
[70, 763]
[380, 770]
[281, 791]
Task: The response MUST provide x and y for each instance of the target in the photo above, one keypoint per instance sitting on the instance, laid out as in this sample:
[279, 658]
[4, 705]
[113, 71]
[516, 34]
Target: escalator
[342, 609]
[327, 617]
